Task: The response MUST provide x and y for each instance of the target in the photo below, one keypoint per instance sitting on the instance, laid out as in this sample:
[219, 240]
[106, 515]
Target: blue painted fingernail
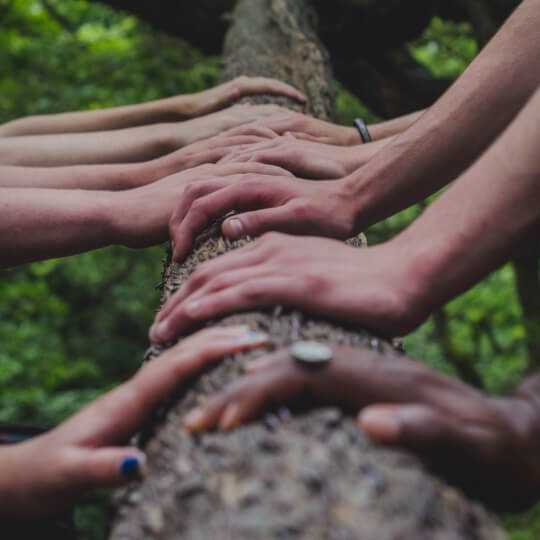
[132, 467]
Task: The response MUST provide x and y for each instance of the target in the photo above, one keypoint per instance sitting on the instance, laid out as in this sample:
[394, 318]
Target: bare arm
[121, 176]
[38, 223]
[171, 109]
[123, 145]
[459, 127]
[473, 228]
[483, 219]
[439, 146]
[389, 128]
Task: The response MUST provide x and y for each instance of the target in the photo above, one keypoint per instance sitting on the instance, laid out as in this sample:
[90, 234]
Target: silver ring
[311, 353]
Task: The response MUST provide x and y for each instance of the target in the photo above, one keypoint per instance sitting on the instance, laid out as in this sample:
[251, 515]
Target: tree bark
[306, 474]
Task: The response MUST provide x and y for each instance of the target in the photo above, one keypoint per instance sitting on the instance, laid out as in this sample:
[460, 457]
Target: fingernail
[380, 424]
[159, 331]
[228, 420]
[195, 419]
[133, 467]
[233, 228]
[251, 337]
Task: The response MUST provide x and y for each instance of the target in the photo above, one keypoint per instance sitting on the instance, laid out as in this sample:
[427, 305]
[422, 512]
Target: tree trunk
[303, 475]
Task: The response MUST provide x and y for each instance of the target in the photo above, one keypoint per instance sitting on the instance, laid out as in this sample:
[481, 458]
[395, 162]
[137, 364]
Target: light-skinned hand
[45, 475]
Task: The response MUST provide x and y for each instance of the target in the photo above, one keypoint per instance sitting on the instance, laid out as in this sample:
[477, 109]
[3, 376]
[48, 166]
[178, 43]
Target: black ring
[363, 130]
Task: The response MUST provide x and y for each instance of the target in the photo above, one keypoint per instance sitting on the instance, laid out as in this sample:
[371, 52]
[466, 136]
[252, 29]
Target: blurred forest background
[71, 329]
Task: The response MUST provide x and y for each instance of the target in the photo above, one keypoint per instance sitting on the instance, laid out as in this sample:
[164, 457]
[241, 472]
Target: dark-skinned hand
[488, 446]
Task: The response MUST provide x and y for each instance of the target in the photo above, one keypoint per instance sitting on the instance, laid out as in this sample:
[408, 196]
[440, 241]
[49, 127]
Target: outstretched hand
[43, 475]
[305, 159]
[304, 127]
[326, 277]
[284, 204]
[227, 93]
[141, 216]
[488, 446]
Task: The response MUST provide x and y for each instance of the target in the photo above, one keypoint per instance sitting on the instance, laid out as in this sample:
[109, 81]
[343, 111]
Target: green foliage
[70, 329]
[446, 47]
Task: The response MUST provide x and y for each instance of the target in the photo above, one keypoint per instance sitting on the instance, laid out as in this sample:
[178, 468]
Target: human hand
[223, 121]
[487, 446]
[227, 93]
[42, 476]
[206, 151]
[306, 159]
[284, 204]
[303, 127]
[361, 286]
[140, 216]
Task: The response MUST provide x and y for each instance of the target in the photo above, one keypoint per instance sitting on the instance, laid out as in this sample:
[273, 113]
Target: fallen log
[303, 475]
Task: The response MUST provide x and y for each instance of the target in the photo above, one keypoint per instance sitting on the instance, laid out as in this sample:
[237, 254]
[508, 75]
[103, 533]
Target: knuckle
[192, 191]
[253, 293]
[315, 284]
[199, 277]
[304, 209]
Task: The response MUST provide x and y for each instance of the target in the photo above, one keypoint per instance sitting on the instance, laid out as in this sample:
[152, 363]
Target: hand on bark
[225, 120]
[283, 204]
[43, 475]
[303, 127]
[207, 151]
[140, 216]
[488, 446]
[305, 159]
[225, 94]
[361, 286]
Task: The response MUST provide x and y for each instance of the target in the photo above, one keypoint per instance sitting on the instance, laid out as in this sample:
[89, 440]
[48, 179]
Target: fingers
[119, 413]
[262, 85]
[254, 129]
[243, 258]
[91, 468]
[202, 204]
[246, 398]
[257, 293]
[256, 223]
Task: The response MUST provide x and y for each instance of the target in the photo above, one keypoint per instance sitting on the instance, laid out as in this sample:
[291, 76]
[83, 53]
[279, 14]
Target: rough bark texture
[307, 474]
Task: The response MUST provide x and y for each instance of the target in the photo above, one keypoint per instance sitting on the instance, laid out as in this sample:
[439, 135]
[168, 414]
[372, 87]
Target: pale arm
[171, 109]
[395, 126]
[458, 128]
[485, 217]
[121, 176]
[40, 223]
[123, 145]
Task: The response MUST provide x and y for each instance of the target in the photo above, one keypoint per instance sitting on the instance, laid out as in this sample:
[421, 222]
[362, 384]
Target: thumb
[107, 466]
[258, 222]
[411, 425]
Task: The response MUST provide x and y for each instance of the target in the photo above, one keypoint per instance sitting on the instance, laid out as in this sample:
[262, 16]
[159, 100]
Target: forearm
[101, 147]
[458, 128]
[164, 110]
[355, 157]
[482, 220]
[39, 224]
[112, 177]
[393, 127]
